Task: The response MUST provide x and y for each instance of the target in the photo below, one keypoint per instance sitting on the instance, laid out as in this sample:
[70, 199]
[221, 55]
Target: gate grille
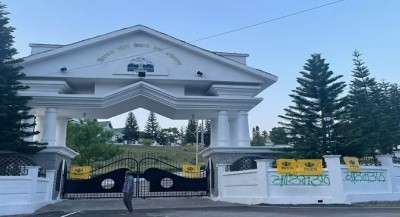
[153, 178]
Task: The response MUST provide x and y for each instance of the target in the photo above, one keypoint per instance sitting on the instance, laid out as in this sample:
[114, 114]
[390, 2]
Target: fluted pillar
[49, 128]
[243, 137]
[224, 137]
[233, 128]
[61, 131]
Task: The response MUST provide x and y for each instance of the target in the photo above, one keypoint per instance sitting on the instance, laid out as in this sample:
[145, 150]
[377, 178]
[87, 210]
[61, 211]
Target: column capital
[51, 110]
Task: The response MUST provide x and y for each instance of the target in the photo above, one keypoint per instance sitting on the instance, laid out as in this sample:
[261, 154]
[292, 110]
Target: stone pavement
[205, 207]
[117, 204]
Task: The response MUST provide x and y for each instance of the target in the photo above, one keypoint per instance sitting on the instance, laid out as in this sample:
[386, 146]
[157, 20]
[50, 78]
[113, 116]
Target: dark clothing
[128, 201]
[128, 189]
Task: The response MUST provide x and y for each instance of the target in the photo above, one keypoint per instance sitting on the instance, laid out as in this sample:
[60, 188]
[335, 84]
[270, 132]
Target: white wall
[25, 194]
[336, 185]
[372, 180]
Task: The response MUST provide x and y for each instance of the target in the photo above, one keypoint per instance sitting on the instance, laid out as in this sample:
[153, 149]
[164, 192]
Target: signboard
[352, 164]
[309, 167]
[286, 166]
[80, 172]
[191, 171]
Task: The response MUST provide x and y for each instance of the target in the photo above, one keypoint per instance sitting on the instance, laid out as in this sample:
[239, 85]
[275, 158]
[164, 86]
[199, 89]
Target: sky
[280, 47]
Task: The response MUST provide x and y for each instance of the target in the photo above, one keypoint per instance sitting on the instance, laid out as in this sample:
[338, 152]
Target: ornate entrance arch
[139, 67]
[98, 78]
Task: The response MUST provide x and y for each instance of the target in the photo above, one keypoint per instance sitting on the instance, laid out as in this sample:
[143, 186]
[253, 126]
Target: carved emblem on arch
[140, 64]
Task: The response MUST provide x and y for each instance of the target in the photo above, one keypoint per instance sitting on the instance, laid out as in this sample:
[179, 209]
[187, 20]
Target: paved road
[204, 207]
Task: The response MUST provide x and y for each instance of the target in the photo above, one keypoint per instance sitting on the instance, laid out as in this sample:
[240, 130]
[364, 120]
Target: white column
[38, 127]
[214, 133]
[233, 128]
[336, 180]
[49, 128]
[262, 175]
[33, 175]
[50, 176]
[243, 136]
[224, 137]
[387, 161]
[220, 179]
[61, 131]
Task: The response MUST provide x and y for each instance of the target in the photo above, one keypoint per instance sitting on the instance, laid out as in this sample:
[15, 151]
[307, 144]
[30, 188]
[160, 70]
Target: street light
[327, 120]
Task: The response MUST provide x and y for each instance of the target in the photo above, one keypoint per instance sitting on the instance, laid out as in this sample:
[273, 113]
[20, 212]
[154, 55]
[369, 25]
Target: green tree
[15, 127]
[278, 136]
[360, 134]
[168, 136]
[131, 130]
[257, 139]
[207, 133]
[190, 134]
[317, 103]
[152, 128]
[386, 116]
[89, 139]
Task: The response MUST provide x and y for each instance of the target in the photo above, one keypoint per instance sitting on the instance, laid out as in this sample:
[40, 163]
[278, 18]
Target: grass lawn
[179, 154]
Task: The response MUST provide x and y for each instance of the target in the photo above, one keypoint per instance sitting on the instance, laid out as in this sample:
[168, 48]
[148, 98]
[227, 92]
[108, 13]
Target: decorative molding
[47, 86]
[142, 89]
[233, 90]
[65, 151]
[237, 150]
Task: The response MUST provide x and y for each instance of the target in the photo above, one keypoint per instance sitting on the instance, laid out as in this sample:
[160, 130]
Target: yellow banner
[80, 172]
[286, 166]
[191, 171]
[309, 167]
[352, 164]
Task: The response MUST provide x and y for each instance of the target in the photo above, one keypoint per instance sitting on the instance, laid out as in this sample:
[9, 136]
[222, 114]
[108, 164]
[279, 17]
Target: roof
[105, 124]
[140, 28]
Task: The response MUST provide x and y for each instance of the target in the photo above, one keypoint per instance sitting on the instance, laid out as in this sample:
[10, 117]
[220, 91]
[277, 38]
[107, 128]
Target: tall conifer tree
[152, 128]
[309, 122]
[15, 127]
[190, 135]
[131, 130]
[360, 134]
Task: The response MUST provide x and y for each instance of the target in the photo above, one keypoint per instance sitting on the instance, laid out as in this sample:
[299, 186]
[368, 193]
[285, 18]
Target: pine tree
[257, 139]
[190, 135]
[360, 124]
[311, 121]
[152, 128]
[278, 136]
[265, 136]
[385, 122]
[207, 134]
[131, 130]
[394, 99]
[15, 127]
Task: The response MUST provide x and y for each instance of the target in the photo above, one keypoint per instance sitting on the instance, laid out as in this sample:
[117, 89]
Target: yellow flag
[309, 167]
[352, 164]
[80, 172]
[191, 171]
[286, 166]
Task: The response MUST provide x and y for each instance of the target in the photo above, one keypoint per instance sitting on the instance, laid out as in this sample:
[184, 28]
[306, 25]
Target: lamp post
[328, 120]
[197, 144]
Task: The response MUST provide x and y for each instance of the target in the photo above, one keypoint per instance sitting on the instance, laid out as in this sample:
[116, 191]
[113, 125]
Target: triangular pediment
[120, 55]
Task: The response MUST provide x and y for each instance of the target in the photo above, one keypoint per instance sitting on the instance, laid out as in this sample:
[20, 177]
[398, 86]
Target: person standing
[128, 189]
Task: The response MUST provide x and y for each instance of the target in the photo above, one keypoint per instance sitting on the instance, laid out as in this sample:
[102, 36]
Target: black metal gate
[154, 177]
